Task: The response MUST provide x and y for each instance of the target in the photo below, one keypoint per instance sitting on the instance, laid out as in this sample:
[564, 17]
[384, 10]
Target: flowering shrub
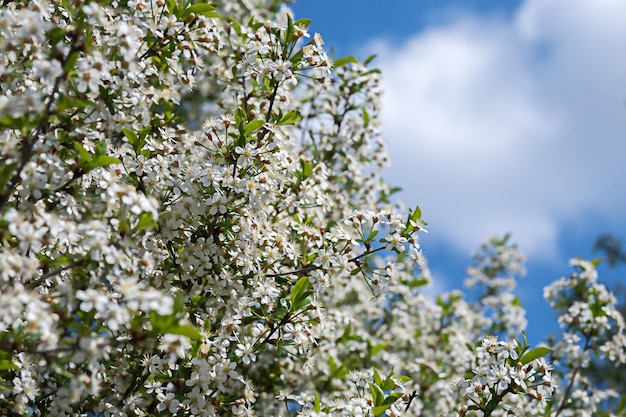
[192, 223]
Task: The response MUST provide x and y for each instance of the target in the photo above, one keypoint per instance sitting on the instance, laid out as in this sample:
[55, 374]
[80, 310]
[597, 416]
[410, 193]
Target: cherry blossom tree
[192, 223]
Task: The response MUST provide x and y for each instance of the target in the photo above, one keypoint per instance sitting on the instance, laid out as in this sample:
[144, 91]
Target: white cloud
[516, 125]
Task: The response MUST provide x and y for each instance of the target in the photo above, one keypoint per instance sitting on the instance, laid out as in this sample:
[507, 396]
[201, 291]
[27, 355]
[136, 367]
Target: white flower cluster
[494, 272]
[193, 223]
[500, 371]
[592, 326]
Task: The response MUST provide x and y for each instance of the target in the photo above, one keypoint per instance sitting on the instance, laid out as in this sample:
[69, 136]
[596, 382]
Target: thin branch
[38, 281]
[29, 142]
[310, 268]
[412, 396]
[272, 99]
[273, 329]
[572, 379]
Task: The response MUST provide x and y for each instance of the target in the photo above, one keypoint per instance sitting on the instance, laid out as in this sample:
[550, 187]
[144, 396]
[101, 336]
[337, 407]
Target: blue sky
[501, 116]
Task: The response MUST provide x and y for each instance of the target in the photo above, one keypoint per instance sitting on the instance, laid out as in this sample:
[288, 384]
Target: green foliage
[301, 293]
[89, 161]
[192, 220]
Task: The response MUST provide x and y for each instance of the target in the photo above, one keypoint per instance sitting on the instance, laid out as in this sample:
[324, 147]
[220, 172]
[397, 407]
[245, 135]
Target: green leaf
[378, 396]
[404, 378]
[71, 62]
[374, 349]
[185, 330]
[85, 157]
[317, 403]
[159, 322]
[340, 62]
[67, 102]
[172, 7]
[300, 292]
[204, 9]
[137, 141]
[101, 148]
[5, 174]
[62, 261]
[533, 354]
[146, 221]
[55, 35]
[388, 383]
[417, 214]
[336, 371]
[103, 160]
[492, 404]
[372, 235]
[307, 168]
[366, 118]
[240, 121]
[377, 379]
[380, 410]
[179, 303]
[374, 71]
[302, 23]
[6, 364]
[289, 32]
[346, 336]
[332, 364]
[88, 39]
[130, 135]
[11, 122]
[392, 398]
[234, 24]
[240, 118]
[133, 139]
[290, 118]
[253, 126]
[394, 190]
[369, 59]
[416, 282]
